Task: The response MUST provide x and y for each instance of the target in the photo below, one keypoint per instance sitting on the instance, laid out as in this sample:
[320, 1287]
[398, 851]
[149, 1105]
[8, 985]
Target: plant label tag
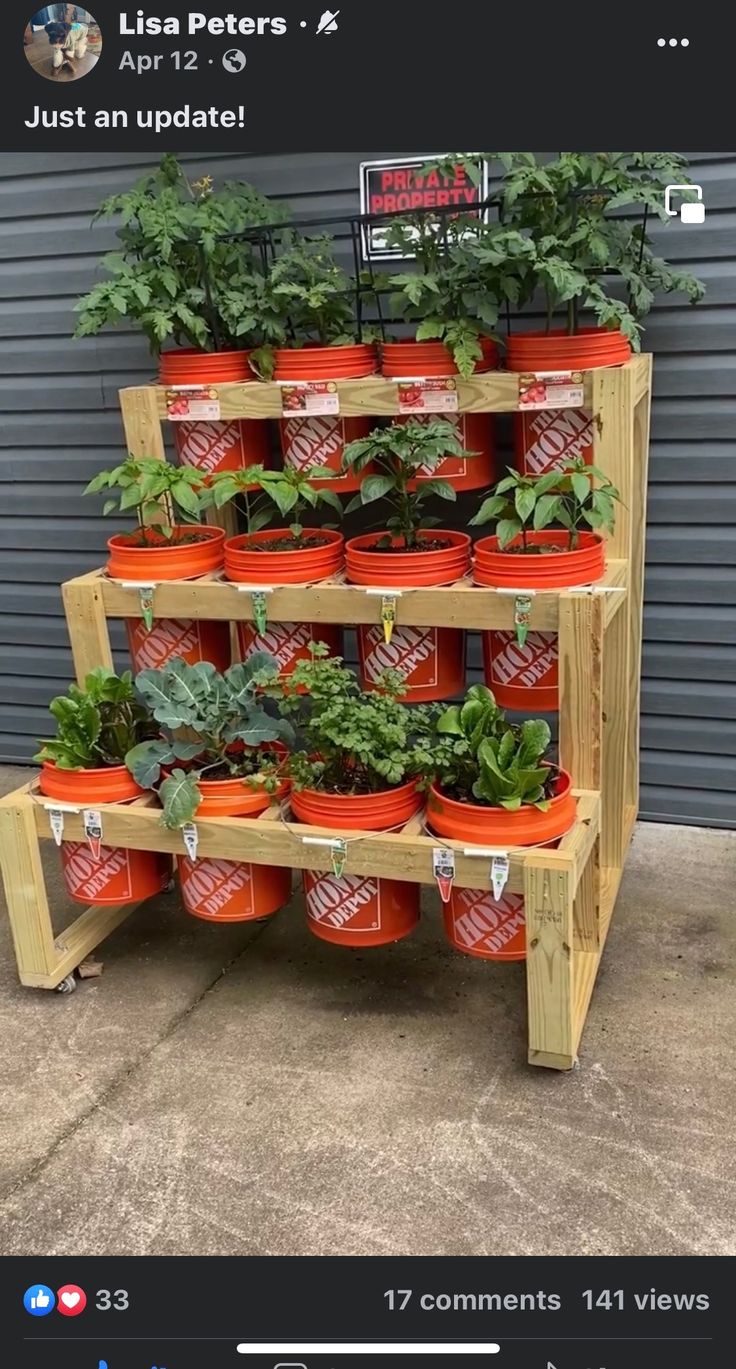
[56, 818]
[443, 868]
[92, 819]
[499, 875]
[339, 856]
[309, 397]
[433, 395]
[388, 616]
[193, 403]
[259, 604]
[191, 839]
[145, 595]
[551, 390]
[522, 613]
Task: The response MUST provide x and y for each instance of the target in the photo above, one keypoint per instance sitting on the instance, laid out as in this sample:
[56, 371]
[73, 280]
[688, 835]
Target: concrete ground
[250, 1090]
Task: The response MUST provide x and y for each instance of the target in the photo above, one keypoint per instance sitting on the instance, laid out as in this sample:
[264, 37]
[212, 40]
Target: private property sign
[400, 186]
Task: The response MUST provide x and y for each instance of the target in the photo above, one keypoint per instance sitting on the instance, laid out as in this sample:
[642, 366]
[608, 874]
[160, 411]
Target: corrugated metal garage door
[61, 424]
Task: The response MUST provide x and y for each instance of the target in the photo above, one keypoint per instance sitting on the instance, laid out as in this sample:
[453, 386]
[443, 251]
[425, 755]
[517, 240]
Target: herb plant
[97, 725]
[399, 452]
[160, 495]
[214, 723]
[352, 742]
[287, 492]
[566, 496]
[177, 276]
[480, 757]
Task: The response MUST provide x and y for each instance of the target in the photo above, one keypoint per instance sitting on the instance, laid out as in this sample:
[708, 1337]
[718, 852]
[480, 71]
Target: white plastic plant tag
[191, 839]
[56, 818]
[443, 867]
[499, 875]
[92, 819]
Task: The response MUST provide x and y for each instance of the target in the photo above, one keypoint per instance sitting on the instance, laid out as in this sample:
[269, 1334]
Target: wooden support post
[25, 889]
[586, 908]
[87, 623]
[580, 663]
[548, 907]
[143, 432]
[640, 466]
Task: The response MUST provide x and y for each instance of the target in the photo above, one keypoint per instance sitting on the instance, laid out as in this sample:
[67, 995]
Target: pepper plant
[287, 492]
[177, 275]
[160, 495]
[566, 496]
[96, 725]
[216, 724]
[351, 742]
[478, 755]
[399, 452]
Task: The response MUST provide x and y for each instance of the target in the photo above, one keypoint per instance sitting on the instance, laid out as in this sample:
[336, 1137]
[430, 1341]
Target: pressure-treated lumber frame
[570, 892]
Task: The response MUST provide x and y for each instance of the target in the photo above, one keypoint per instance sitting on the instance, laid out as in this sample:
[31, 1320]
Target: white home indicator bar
[366, 1348]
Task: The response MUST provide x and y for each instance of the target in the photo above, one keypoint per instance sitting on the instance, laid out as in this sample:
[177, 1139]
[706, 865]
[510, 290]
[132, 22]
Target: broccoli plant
[566, 496]
[398, 452]
[263, 495]
[97, 725]
[478, 756]
[352, 742]
[178, 276]
[215, 724]
[160, 495]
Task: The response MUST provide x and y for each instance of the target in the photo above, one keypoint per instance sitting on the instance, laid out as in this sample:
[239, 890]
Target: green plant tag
[260, 610]
[339, 856]
[522, 611]
[145, 594]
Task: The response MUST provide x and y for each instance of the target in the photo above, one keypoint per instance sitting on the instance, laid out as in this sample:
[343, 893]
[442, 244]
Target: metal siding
[61, 424]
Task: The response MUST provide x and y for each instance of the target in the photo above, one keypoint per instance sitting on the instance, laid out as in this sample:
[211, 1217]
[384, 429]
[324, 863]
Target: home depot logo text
[210, 885]
[205, 445]
[335, 901]
[480, 921]
[554, 435]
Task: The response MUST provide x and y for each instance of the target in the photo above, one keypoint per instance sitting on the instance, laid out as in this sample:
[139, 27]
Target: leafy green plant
[287, 492]
[177, 276]
[214, 723]
[96, 725]
[399, 452]
[466, 271]
[478, 755]
[312, 291]
[352, 742]
[160, 495]
[566, 496]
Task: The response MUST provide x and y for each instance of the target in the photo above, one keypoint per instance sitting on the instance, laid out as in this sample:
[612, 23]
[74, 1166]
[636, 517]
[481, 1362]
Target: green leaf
[145, 761]
[524, 500]
[546, 510]
[581, 487]
[507, 530]
[375, 487]
[180, 798]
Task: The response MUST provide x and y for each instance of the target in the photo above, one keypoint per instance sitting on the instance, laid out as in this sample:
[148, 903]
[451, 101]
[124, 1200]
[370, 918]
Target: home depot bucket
[545, 438]
[232, 891]
[319, 439]
[170, 638]
[288, 642]
[482, 926]
[357, 910]
[522, 677]
[108, 875]
[113, 875]
[222, 446]
[431, 660]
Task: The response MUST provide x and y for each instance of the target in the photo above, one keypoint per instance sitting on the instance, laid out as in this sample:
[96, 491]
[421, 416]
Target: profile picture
[63, 42]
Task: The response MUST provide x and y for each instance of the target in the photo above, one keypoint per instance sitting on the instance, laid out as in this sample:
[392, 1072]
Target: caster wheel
[67, 985]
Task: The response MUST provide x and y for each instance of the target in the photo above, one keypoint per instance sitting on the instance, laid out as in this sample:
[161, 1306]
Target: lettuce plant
[215, 724]
[97, 725]
[477, 756]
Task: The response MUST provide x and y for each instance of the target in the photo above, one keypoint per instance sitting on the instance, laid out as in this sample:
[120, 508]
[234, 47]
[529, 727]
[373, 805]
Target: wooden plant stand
[569, 892]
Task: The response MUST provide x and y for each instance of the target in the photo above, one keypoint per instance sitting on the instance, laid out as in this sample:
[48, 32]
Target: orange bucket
[553, 570]
[320, 440]
[222, 446]
[482, 926]
[403, 360]
[325, 363]
[522, 677]
[545, 439]
[431, 660]
[357, 812]
[162, 558]
[486, 826]
[191, 366]
[114, 875]
[321, 557]
[288, 642]
[170, 638]
[396, 568]
[235, 797]
[232, 891]
[357, 910]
